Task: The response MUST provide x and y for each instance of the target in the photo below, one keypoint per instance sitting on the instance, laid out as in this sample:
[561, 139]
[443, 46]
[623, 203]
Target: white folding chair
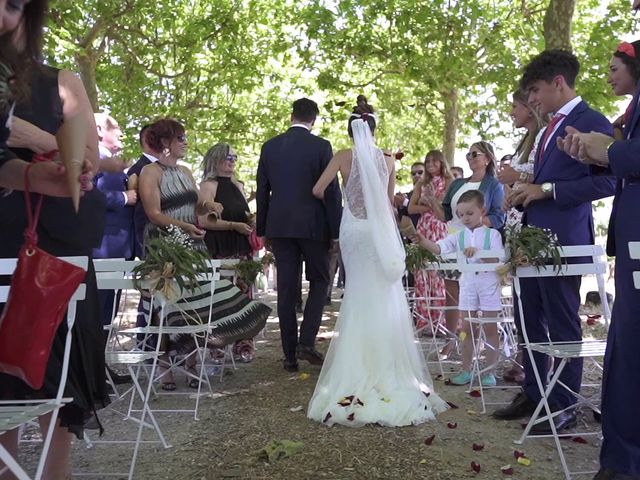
[634, 252]
[16, 413]
[566, 351]
[196, 330]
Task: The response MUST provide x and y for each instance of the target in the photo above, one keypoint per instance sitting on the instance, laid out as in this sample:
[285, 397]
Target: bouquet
[531, 246]
[248, 270]
[418, 257]
[171, 266]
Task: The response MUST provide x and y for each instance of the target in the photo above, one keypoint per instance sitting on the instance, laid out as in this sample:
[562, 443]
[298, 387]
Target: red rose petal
[351, 417]
[439, 377]
[399, 155]
[452, 405]
[477, 447]
[579, 440]
[507, 470]
[475, 466]
[429, 440]
[518, 453]
[327, 417]
[475, 393]
[452, 425]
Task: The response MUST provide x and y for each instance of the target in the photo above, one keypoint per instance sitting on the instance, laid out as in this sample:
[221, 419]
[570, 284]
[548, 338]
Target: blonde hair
[212, 160]
[527, 142]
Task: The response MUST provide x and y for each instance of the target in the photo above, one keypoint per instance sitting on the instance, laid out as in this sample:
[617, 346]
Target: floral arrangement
[248, 270]
[268, 259]
[531, 246]
[172, 264]
[417, 257]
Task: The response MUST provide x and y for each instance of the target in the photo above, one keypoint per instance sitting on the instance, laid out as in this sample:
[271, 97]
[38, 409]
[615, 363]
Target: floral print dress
[428, 283]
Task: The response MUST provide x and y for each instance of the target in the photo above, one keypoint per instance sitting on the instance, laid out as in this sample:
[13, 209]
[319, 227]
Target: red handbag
[41, 288]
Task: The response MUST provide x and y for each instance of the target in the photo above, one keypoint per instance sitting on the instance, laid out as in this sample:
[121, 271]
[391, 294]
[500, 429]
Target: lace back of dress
[353, 188]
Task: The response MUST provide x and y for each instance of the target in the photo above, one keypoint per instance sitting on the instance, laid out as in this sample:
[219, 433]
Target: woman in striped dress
[170, 197]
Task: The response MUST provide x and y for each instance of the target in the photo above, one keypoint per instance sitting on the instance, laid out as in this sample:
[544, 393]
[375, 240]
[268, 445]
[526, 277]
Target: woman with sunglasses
[482, 161]
[431, 187]
[229, 236]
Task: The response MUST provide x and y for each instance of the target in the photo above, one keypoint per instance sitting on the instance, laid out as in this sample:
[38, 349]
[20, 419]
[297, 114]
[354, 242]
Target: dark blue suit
[621, 384]
[551, 304]
[140, 219]
[299, 225]
[118, 237]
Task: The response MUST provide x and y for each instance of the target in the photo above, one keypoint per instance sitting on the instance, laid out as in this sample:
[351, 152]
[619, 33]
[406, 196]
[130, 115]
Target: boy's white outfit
[478, 290]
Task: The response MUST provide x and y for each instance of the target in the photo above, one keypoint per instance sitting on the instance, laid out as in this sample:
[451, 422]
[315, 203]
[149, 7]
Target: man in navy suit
[298, 225]
[559, 199]
[140, 220]
[620, 452]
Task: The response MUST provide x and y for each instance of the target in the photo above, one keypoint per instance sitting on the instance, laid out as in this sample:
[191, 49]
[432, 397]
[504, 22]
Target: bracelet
[606, 152]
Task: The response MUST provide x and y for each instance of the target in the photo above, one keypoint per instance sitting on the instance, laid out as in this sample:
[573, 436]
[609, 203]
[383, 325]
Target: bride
[373, 371]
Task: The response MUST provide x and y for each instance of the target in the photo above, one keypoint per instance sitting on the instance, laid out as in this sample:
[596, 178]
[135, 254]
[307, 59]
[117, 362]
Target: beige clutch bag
[72, 141]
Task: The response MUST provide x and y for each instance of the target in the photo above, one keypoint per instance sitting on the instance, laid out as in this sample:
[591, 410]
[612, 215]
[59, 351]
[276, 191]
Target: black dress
[61, 232]
[229, 243]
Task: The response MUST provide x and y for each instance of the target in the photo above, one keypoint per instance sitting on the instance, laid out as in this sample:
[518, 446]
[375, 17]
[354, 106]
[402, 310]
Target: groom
[298, 225]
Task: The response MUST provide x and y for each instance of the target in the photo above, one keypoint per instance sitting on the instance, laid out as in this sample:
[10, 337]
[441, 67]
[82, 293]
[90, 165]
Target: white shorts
[480, 291]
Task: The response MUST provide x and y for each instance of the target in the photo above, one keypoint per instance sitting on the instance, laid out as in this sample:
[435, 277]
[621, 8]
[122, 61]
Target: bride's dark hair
[361, 109]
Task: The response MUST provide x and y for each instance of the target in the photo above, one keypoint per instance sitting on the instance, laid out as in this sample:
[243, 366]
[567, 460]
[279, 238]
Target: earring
[166, 152]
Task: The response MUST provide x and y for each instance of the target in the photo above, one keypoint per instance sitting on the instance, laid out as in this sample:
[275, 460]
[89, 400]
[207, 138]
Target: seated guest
[401, 200]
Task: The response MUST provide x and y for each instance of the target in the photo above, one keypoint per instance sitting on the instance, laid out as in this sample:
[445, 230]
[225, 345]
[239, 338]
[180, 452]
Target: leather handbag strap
[30, 234]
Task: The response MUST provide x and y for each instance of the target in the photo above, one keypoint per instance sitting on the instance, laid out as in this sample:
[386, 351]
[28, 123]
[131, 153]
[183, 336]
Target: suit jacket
[140, 219]
[290, 165]
[569, 215]
[118, 237]
[624, 163]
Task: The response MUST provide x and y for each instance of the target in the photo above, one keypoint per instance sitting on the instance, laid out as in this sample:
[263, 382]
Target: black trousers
[316, 258]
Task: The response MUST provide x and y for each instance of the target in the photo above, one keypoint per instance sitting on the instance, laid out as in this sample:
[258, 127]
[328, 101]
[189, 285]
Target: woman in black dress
[54, 97]
[229, 236]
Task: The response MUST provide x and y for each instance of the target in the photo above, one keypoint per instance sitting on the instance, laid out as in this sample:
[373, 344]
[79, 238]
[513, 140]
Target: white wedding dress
[374, 371]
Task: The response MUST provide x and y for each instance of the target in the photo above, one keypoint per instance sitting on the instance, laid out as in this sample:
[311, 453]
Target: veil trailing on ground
[386, 238]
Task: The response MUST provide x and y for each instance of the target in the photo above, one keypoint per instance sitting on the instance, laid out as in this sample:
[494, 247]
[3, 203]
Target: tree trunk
[450, 124]
[87, 62]
[557, 24]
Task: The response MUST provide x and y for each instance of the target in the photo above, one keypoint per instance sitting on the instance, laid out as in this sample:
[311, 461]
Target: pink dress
[428, 283]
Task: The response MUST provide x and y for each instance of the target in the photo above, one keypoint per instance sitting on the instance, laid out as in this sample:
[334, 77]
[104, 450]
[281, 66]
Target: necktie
[548, 132]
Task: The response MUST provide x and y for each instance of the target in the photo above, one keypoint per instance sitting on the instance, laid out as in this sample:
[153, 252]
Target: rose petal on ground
[472, 412]
[296, 409]
[303, 376]
[579, 440]
[477, 447]
[524, 461]
[422, 462]
[475, 393]
[429, 440]
[475, 466]
[518, 454]
[452, 425]
[507, 470]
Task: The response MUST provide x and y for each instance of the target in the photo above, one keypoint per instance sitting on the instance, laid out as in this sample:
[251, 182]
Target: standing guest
[53, 97]
[433, 185]
[457, 172]
[298, 225]
[520, 171]
[401, 200]
[229, 236]
[482, 161]
[170, 197]
[117, 240]
[619, 458]
[558, 199]
[140, 220]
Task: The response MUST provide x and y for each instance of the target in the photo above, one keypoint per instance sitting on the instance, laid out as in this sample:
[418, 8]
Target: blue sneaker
[463, 378]
[489, 380]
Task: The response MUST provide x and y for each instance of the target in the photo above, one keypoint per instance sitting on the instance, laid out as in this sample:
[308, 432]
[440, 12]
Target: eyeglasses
[417, 172]
[232, 158]
[471, 155]
[182, 137]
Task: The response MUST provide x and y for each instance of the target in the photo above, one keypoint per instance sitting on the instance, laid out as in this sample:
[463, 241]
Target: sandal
[168, 385]
[192, 382]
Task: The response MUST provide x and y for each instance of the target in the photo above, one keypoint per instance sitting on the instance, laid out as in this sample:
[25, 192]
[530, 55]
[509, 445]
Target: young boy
[479, 291]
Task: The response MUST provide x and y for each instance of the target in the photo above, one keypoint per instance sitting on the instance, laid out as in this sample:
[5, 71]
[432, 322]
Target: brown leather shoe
[310, 354]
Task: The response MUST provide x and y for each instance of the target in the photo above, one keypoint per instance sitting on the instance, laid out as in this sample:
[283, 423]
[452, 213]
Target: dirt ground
[260, 403]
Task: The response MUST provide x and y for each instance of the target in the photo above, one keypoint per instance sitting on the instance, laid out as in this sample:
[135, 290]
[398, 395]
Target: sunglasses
[232, 158]
[417, 172]
[182, 137]
[471, 155]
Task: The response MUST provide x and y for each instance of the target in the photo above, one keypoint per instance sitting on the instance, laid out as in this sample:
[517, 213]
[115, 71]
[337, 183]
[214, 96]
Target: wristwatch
[547, 188]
